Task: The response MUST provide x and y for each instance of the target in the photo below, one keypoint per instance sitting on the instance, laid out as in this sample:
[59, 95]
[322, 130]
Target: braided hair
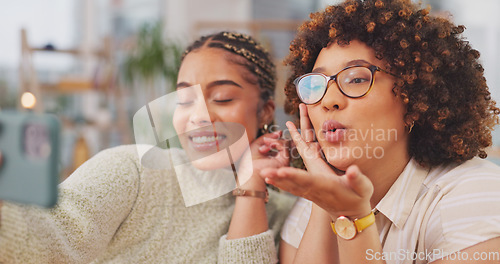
[256, 59]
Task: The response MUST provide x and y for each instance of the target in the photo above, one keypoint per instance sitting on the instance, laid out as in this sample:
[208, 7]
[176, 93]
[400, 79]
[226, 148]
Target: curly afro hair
[439, 76]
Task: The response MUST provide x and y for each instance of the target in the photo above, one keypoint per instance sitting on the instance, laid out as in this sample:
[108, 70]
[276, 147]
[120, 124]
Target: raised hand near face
[348, 194]
[268, 151]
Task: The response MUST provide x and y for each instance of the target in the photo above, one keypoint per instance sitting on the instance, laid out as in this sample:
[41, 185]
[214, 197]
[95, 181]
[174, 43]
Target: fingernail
[275, 134]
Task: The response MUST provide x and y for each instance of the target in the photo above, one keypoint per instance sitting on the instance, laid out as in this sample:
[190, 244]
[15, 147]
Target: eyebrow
[350, 63]
[210, 85]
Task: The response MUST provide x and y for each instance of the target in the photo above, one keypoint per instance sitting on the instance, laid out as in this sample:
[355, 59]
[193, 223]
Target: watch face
[345, 228]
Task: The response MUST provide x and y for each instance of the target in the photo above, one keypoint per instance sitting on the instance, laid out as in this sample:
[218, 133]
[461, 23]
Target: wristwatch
[348, 229]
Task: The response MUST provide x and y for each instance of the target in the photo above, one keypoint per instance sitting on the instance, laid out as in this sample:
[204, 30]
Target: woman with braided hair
[120, 207]
[395, 116]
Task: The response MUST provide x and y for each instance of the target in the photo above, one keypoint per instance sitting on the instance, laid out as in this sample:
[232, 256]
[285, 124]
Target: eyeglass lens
[353, 82]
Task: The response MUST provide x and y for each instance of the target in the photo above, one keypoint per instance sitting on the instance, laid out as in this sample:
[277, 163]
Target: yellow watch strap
[362, 223]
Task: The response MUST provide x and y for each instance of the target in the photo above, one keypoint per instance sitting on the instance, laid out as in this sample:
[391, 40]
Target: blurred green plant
[153, 57]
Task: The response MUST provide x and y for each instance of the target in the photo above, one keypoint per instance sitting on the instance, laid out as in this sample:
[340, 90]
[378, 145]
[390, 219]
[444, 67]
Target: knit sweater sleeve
[93, 202]
[257, 249]
[260, 248]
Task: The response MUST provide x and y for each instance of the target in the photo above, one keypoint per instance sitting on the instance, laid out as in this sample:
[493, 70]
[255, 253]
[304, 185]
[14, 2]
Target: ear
[266, 114]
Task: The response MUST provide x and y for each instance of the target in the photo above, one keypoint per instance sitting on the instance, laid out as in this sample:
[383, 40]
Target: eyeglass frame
[371, 67]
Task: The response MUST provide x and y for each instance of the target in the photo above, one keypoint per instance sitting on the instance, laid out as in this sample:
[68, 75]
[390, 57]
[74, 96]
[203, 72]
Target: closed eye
[223, 101]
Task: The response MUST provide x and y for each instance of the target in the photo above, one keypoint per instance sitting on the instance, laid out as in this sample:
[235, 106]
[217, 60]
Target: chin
[339, 158]
[215, 161]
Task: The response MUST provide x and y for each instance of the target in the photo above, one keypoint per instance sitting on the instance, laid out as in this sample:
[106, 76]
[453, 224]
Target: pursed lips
[333, 131]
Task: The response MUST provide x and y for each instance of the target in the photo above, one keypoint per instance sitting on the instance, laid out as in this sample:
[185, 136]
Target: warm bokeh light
[28, 100]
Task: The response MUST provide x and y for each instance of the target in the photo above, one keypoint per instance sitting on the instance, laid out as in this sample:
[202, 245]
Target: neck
[383, 173]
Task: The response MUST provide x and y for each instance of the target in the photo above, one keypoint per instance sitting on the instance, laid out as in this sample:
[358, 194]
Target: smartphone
[29, 143]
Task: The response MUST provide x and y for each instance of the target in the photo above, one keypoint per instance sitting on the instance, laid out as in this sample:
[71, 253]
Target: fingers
[267, 142]
[273, 142]
[272, 150]
[268, 173]
[347, 195]
[296, 137]
[275, 134]
[309, 152]
[293, 180]
[306, 128]
[279, 151]
[358, 182]
[264, 149]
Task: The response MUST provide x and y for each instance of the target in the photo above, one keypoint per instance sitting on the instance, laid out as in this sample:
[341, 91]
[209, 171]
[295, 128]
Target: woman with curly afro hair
[395, 117]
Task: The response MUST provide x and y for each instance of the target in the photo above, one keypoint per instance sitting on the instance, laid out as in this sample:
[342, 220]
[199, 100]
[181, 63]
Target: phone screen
[36, 142]
[29, 144]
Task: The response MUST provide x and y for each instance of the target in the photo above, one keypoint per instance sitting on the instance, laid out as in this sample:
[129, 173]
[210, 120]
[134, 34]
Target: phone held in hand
[29, 143]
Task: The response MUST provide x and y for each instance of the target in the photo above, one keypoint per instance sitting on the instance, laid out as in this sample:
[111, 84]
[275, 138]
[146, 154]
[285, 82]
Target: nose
[200, 114]
[333, 99]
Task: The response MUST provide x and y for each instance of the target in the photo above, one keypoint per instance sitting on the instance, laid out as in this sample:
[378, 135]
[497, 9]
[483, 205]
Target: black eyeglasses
[353, 81]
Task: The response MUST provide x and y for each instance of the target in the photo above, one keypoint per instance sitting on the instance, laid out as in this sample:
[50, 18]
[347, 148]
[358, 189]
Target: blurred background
[94, 63]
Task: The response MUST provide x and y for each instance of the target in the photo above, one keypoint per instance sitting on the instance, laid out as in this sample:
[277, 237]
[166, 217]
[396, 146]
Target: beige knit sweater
[114, 210]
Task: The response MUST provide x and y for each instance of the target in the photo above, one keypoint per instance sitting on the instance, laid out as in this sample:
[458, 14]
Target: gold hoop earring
[411, 127]
[264, 129]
